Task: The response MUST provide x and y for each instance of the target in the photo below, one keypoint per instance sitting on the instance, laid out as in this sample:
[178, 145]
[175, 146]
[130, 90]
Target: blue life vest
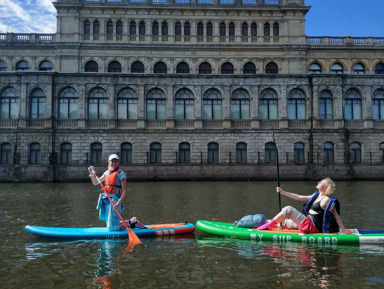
[329, 222]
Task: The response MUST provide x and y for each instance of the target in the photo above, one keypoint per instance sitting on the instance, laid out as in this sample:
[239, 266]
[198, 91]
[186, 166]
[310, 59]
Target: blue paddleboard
[150, 231]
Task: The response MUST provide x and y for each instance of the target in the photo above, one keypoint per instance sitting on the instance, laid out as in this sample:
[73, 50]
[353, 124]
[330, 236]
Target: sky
[356, 18]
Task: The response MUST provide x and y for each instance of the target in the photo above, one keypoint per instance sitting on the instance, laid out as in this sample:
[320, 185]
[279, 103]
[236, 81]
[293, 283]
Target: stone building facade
[190, 89]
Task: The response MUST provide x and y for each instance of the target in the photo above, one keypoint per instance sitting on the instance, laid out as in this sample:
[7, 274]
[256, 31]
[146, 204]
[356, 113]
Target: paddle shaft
[133, 239]
[278, 172]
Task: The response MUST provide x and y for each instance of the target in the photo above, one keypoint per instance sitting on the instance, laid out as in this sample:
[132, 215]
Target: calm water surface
[190, 261]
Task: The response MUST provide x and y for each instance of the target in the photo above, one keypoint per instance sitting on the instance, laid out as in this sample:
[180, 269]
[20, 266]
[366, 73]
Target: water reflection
[316, 266]
[111, 260]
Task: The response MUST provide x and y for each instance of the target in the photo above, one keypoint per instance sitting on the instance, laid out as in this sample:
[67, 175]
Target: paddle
[133, 239]
[277, 168]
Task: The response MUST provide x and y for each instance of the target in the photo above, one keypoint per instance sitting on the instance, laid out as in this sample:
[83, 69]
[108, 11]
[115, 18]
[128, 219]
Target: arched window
[358, 68]
[65, 153]
[337, 68]
[298, 153]
[355, 153]
[182, 67]
[45, 66]
[270, 153]
[244, 29]
[137, 67]
[240, 104]
[164, 28]
[127, 104]
[276, 29]
[3, 66]
[212, 107]
[253, 29]
[126, 153]
[184, 153]
[142, 28]
[381, 147]
[178, 29]
[296, 104]
[325, 105]
[378, 104]
[222, 29]
[209, 29]
[200, 29]
[329, 157]
[68, 103]
[314, 68]
[114, 66]
[379, 68]
[227, 68]
[213, 152]
[241, 153]
[34, 153]
[37, 108]
[271, 68]
[156, 101]
[155, 153]
[96, 27]
[87, 28]
[249, 68]
[96, 153]
[187, 29]
[268, 104]
[352, 104]
[119, 28]
[205, 68]
[91, 66]
[267, 29]
[109, 28]
[184, 104]
[22, 65]
[5, 153]
[132, 28]
[231, 30]
[9, 104]
[160, 67]
[155, 28]
[98, 104]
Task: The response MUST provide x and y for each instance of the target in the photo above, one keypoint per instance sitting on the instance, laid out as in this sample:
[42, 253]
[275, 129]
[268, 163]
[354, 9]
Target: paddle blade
[133, 239]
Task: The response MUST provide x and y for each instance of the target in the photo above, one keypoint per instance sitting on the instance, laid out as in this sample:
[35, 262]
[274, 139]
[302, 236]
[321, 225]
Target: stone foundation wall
[220, 172]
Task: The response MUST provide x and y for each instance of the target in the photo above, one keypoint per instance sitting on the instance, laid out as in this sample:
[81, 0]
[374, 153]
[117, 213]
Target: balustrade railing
[26, 38]
[214, 2]
[51, 38]
[350, 41]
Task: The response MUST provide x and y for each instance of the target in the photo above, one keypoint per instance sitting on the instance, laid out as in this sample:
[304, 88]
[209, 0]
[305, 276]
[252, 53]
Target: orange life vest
[110, 182]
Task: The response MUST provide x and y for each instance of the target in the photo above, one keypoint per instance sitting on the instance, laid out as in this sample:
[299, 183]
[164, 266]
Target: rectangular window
[217, 109]
[38, 107]
[270, 156]
[213, 156]
[235, 109]
[126, 156]
[35, 154]
[241, 156]
[184, 156]
[66, 154]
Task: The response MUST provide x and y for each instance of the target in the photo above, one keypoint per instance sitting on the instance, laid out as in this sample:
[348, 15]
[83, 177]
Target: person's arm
[123, 193]
[338, 220]
[293, 196]
[95, 180]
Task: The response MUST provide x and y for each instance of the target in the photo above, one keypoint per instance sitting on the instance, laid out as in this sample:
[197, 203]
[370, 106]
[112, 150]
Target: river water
[188, 261]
